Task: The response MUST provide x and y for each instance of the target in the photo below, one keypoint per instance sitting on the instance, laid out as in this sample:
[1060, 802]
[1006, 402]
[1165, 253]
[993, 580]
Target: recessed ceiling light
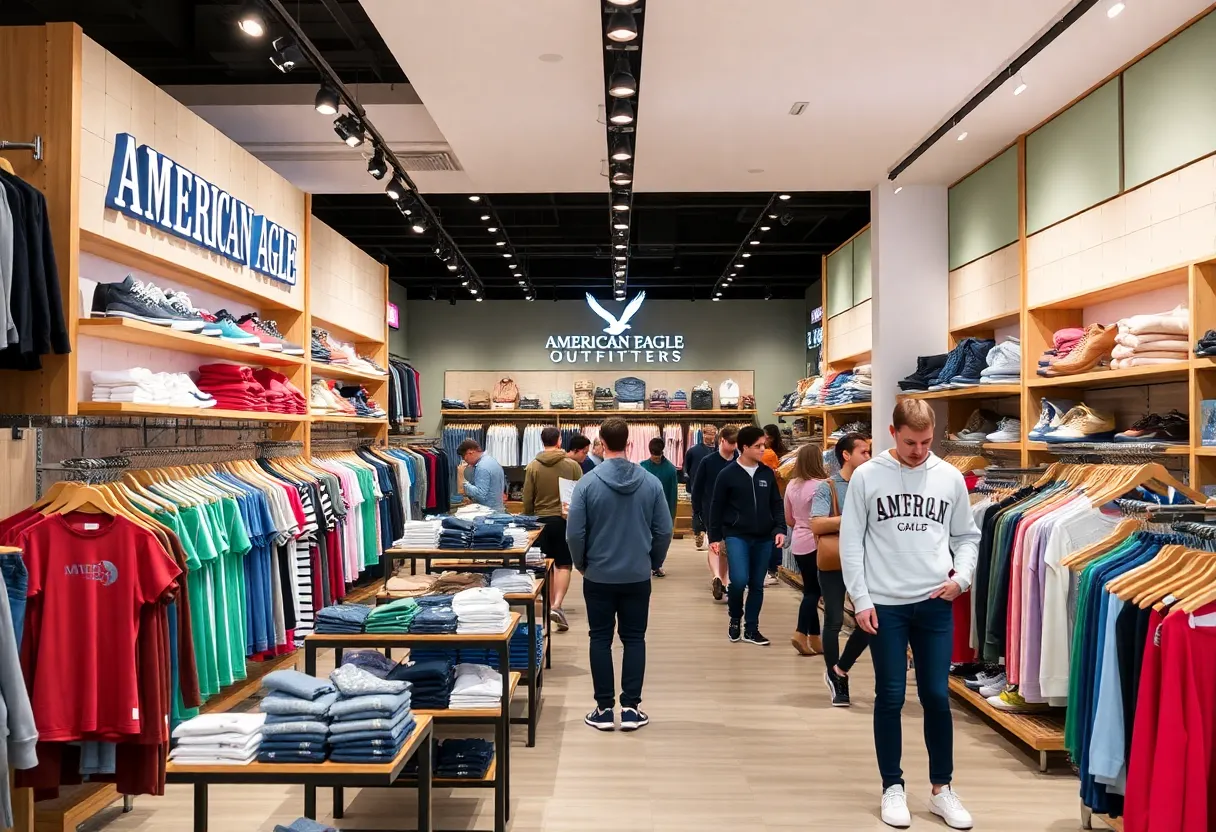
[250, 21]
[621, 27]
[507, 254]
[474, 198]
[754, 242]
[485, 217]
[1115, 10]
[621, 257]
[783, 196]
[765, 227]
[772, 216]
[518, 274]
[962, 135]
[898, 188]
[747, 254]
[550, 58]
[501, 243]
[620, 246]
[492, 229]
[621, 226]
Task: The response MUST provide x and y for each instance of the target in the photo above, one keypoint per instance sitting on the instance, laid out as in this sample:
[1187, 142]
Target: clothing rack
[275, 450]
[1130, 452]
[197, 455]
[35, 145]
[348, 443]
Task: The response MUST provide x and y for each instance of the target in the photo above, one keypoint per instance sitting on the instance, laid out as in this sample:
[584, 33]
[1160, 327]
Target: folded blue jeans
[295, 683]
[282, 704]
[16, 581]
[381, 702]
[310, 745]
[291, 756]
[302, 726]
[378, 724]
[303, 736]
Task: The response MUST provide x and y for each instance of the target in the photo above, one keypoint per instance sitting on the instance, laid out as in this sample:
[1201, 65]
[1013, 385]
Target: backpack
[506, 391]
[728, 393]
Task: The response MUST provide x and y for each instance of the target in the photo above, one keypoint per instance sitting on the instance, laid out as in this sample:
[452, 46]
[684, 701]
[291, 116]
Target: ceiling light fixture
[620, 226]
[395, 189]
[620, 246]
[474, 198]
[622, 84]
[783, 197]
[472, 290]
[501, 243]
[622, 177]
[622, 112]
[453, 267]
[747, 254]
[419, 226]
[1115, 10]
[621, 27]
[464, 282]
[287, 55]
[621, 151]
[485, 217]
[754, 242]
[251, 22]
[962, 135]
[507, 253]
[765, 227]
[492, 229]
[1020, 86]
[479, 298]
[326, 102]
[377, 166]
[898, 188]
[772, 216]
[517, 274]
[349, 129]
[513, 266]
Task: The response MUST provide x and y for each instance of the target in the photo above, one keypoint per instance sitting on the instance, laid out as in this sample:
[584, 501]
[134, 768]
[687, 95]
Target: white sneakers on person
[895, 807]
[946, 805]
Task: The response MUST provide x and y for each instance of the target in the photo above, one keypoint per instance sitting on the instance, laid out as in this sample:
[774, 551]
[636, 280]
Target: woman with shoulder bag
[852, 450]
[808, 476]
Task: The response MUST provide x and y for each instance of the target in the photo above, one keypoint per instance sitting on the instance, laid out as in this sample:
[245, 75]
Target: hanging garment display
[405, 393]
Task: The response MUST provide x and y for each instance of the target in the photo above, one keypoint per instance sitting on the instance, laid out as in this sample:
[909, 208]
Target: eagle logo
[616, 325]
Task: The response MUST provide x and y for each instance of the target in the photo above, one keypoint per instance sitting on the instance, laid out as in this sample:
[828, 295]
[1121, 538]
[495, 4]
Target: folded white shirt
[220, 740]
[221, 723]
[477, 680]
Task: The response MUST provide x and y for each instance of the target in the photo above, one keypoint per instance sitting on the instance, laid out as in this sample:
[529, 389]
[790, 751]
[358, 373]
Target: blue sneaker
[229, 331]
[602, 719]
[1050, 417]
[632, 719]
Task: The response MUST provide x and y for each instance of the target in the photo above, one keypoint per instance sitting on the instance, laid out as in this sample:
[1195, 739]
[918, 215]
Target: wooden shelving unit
[150, 335]
[982, 391]
[1040, 732]
[336, 371]
[154, 410]
[1128, 377]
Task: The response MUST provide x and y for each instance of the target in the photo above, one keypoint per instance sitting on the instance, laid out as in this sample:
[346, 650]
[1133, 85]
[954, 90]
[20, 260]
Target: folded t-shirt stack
[372, 718]
[1004, 363]
[234, 387]
[463, 759]
[281, 395]
[341, 618]
[393, 617]
[476, 686]
[141, 385]
[512, 581]
[435, 616]
[430, 682]
[405, 585]
[1145, 340]
[678, 401]
[297, 717]
[449, 583]
[218, 740]
[481, 610]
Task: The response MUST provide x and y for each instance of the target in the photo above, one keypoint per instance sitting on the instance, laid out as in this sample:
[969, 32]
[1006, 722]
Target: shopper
[702, 494]
[808, 475]
[579, 449]
[707, 445]
[851, 450]
[746, 519]
[666, 474]
[597, 451]
[618, 532]
[908, 545]
[479, 476]
[542, 497]
[774, 450]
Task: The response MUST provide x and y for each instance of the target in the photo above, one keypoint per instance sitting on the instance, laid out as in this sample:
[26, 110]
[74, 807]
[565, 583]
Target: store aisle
[741, 737]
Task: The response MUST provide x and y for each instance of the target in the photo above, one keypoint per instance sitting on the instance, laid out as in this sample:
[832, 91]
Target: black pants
[831, 584]
[625, 608]
[808, 611]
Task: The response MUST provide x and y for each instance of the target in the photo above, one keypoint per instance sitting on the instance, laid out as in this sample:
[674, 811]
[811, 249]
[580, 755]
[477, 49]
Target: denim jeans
[16, 580]
[928, 626]
[624, 608]
[747, 559]
[831, 584]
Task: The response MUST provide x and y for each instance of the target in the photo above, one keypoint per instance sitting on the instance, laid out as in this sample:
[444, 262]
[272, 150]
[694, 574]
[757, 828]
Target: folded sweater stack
[476, 686]
[430, 682]
[233, 387]
[218, 740]
[297, 717]
[512, 581]
[372, 717]
[1146, 340]
[393, 617]
[341, 618]
[405, 585]
[481, 610]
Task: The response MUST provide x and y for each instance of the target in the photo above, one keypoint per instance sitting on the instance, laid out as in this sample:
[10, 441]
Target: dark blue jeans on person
[747, 560]
[928, 626]
[16, 581]
[625, 609]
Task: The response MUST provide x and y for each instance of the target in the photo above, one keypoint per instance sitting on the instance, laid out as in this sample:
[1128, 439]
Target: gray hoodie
[618, 526]
[903, 530]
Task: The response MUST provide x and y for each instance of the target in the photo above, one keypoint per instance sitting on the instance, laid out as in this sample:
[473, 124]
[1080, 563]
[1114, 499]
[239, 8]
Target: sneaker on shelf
[1008, 429]
[982, 679]
[946, 805]
[1051, 416]
[752, 635]
[229, 331]
[319, 350]
[271, 328]
[326, 343]
[601, 719]
[717, 588]
[1083, 424]
[372, 366]
[1173, 428]
[184, 387]
[179, 303]
[1012, 701]
[249, 324]
[734, 630]
[994, 686]
[345, 406]
[633, 718]
[318, 399]
[559, 618]
[138, 301]
[838, 688]
[1095, 346]
[979, 425]
[895, 808]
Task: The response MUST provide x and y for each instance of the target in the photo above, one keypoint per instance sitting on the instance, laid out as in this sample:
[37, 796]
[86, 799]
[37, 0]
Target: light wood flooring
[741, 738]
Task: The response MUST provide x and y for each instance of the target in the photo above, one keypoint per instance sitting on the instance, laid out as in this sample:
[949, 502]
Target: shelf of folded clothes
[325, 370]
[143, 334]
[338, 417]
[976, 391]
[1098, 447]
[846, 408]
[152, 409]
[440, 714]
[1175, 371]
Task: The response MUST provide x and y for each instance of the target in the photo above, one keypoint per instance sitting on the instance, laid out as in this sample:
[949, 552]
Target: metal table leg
[545, 593]
[339, 802]
[200, 807]
[501, 737]
[310, 658]
[310, 802]
[533, 673]
[504, 660]
[424, 785]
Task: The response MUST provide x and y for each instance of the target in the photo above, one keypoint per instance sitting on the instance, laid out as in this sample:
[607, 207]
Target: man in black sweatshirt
[746, 519]
[698, 452]
[702, 491]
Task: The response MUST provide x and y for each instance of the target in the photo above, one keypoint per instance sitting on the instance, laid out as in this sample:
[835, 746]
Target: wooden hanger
[84, 498]
[1078, 560]
[7, 166]
[1132, 583]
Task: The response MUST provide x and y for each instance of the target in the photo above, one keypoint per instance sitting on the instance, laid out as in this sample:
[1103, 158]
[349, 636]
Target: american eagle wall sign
[616, 345]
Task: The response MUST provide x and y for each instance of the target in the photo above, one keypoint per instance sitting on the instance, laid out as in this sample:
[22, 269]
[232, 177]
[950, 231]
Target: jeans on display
[808, 610]
[747, 559]
[16, 580]
[452, 437]
[831, 584]
[625, 608]
[928, 626]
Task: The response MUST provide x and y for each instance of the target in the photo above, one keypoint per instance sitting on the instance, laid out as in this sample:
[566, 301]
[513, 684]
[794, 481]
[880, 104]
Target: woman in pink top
[808, 473]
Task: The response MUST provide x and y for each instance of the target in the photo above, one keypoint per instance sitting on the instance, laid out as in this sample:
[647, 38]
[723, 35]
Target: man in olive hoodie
[619, 531]
[542, 497]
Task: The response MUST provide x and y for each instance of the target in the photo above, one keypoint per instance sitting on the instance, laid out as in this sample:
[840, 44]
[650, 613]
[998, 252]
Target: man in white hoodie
[908, 546]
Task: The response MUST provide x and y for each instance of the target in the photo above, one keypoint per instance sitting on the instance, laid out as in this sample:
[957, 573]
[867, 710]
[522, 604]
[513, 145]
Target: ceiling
[505, 99]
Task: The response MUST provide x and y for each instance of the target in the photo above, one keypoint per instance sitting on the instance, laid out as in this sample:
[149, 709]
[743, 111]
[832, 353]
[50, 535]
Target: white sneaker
[895, 808]
[946, 805]
[770, 580]
[994, 686]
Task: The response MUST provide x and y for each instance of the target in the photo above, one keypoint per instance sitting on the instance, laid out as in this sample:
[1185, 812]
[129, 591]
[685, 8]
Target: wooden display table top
[354, 641]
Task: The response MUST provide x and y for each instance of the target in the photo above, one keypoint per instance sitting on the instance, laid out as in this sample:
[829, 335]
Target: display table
[317, 775]
[506, 556]
[500, 718]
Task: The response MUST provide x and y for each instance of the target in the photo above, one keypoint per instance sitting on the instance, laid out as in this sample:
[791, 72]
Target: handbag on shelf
[827, 556]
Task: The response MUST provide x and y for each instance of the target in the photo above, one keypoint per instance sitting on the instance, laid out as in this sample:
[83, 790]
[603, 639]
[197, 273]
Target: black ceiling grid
[510, 258]
[771, 216]
[624, 23]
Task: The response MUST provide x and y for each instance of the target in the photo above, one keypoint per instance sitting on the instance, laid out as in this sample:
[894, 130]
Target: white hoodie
[898, 527]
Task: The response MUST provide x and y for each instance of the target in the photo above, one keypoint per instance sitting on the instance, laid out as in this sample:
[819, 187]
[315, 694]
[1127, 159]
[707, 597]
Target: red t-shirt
[94, 573]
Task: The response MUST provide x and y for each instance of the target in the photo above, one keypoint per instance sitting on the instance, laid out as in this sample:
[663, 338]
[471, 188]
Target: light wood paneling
[986, 289]
[851, 333]
[346, 287]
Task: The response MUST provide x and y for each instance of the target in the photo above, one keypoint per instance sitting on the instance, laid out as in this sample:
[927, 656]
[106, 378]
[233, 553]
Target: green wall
[862, 283]
[984, 210]
[840, 280]
[1169, 105]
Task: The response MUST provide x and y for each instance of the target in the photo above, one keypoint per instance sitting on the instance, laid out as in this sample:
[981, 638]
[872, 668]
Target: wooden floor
[741, 738]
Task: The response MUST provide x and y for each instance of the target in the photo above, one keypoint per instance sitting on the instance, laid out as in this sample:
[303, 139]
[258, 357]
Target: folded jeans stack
[1146, 340]
[372, 718]
[481, 610]
[435, 616]
[393, 617]
[341, 618]
[490, 536]
[218, 739]
[453, 404]
[1004, 363]
[430, 682]
[523, 641]
[476, 686]
[297, 717]
[463, 759]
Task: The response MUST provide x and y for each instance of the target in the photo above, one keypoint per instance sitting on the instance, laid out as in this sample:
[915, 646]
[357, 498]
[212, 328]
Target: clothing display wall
[404, 392]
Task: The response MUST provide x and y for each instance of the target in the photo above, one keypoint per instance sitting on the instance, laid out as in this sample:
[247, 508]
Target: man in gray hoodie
[908, 546]
[618, 529]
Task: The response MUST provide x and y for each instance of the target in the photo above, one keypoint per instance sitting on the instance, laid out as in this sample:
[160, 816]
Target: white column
[909, 247]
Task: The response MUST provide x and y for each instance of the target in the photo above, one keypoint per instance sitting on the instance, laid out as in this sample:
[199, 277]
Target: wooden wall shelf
[349, 420]
[322, 370]
[1128, 377]
[647, 415]
[162, 337]
[1048, 447]
[153, 410]
[1176, 276]
[983, 391]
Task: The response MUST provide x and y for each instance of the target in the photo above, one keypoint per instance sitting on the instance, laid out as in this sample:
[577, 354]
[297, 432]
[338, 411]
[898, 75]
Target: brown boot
[799, 640]
[816, 645]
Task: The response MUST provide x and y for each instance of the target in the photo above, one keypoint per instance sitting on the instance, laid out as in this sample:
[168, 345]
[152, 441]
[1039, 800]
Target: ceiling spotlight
[622, 84]
[287, 55]
[898, 188]
[730, 280]
[620, 226]
[501, 243]
[517, 274]
[717, 295]
[754, 242]
[747, 254]
[523, 283]
[452, 267]
[623, 2]
[765, 227]
[485, 217]
[452, 299]
[620, 246]
[1021, 85]
[529, 296]
[621, 27]
[474, 198]
[419, 226]
[251, 22]
[621, 257]
[768, 293]
[622, 177]
[464, 282]
[472, 290]
[492, 229]
[620, 202]
[349, 129]
[717, 298]
[734, 274]
[326, 102]
[1115, 10]
[620, 273]
[622, 112]
[621, 152]
[783, 197]
[513, 266]
[962, 135]
[377, 166]
[772, 216]
[507, 253]
[395, 189]
[479, 298]
[740, 265]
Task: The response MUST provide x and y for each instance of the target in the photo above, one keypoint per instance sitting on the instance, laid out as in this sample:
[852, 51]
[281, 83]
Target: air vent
[799, 108]
[429, 157]
[428, 161]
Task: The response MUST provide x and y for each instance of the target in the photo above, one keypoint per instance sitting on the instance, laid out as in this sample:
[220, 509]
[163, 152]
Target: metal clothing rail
[35, 145]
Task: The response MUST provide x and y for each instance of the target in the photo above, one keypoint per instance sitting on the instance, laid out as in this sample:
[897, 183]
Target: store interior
[264, 266]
